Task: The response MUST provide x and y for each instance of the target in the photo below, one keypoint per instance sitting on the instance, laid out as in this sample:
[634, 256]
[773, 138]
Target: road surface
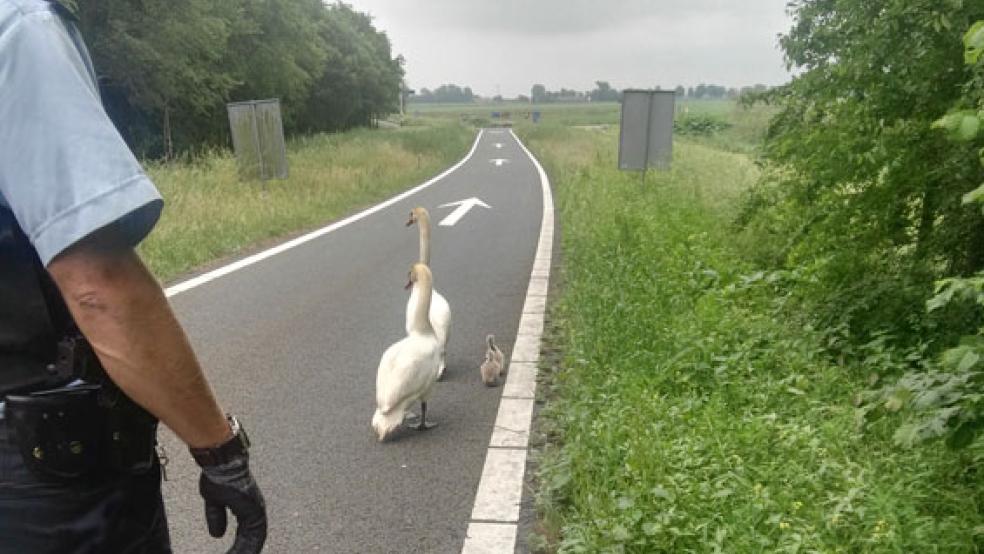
[291, 344]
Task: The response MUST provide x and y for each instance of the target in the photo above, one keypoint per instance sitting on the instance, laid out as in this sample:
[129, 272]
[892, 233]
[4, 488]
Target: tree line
[868, 213]
[603, 92]
[445, 93]
[167, 68]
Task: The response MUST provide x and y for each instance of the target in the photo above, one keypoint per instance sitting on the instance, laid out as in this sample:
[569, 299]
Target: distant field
[581, 113]
[589, 112]
[743, 133]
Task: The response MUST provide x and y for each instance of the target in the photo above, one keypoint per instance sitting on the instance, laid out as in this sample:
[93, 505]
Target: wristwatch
[232, 449]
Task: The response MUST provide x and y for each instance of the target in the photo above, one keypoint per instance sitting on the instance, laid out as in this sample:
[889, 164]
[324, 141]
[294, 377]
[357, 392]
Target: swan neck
[423, 221]
[421, 314]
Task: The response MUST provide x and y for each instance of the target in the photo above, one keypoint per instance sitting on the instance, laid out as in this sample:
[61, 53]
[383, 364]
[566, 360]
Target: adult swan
[409, 368]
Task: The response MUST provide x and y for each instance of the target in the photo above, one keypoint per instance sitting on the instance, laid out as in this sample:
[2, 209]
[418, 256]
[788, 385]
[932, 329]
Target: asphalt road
[291, 345]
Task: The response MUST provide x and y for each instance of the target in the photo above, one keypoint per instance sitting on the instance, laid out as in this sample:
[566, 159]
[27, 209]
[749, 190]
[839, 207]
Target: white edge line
[283, 247]
[485, 542]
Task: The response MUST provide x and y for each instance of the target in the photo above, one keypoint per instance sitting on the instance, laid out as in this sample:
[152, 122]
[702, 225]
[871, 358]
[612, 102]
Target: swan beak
[410, 222]
[408, 286]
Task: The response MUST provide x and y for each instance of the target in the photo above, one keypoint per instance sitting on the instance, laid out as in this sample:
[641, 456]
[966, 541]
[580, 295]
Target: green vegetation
[698, 125]
[948, 402]
[210, 213]
[689, 409]
[755, 357]
[868, 200]
[167, 67]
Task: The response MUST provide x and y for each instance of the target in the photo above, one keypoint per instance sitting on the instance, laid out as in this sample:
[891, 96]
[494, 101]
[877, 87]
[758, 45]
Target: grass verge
[688, 413]
[209, 213]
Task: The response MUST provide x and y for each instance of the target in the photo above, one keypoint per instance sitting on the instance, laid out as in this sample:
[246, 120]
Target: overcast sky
[505, 46]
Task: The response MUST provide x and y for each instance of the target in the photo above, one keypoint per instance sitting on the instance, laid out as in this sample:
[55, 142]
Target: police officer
[78, 471]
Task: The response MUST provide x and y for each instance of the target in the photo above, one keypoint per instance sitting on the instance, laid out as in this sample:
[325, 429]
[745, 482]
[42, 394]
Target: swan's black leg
[424, 425]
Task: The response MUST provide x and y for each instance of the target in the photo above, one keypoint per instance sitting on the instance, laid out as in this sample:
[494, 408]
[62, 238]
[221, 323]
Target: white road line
[531, 324]
[501, 488]
[490, 538]
[535, 305]
[521, 381]
[464, 206]
[495, 515]
[512, 424]
[283, 247]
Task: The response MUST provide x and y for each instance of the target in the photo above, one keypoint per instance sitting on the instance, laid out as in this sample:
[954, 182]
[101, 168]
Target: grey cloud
[508, 45]
[557, 16]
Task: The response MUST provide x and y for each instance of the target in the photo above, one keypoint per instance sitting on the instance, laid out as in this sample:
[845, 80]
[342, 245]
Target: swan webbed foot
[424, 424]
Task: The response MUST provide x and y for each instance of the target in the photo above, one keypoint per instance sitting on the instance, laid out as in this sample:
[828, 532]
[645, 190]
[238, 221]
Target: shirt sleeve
[65, 171]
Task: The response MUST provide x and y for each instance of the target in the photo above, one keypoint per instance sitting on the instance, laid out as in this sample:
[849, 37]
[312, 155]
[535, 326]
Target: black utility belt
[73, 432]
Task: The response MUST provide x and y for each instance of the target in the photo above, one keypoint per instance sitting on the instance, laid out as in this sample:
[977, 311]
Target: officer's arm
[122, 311]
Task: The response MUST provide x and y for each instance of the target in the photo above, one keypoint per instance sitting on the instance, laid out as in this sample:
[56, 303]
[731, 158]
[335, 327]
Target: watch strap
[233, 449]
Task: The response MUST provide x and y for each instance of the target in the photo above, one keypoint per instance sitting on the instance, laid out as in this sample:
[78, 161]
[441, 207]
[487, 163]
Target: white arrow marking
[499, 161]
[461, 210]
[498, 145]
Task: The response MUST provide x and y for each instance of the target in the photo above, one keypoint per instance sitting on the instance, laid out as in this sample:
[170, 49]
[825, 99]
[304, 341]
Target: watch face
[234, 424]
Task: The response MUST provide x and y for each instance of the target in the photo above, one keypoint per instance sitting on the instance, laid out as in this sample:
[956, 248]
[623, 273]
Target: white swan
[440, 310]
[409, 368]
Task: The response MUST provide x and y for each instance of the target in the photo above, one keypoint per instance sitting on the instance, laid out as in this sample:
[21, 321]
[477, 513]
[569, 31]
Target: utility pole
[404, 93]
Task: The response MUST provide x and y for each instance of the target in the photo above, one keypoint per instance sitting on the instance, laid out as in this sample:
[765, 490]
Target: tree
[361, 78]
[947, 401]
[277, 52]
[604, 92]
[867, 195]
[167, 68]
[161, 64]
[446, 93]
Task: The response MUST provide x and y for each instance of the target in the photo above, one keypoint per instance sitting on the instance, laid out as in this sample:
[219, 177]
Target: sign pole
[649, 132]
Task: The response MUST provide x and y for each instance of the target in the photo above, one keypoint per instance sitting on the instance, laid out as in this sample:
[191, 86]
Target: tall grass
[209, 213]
[685, 413]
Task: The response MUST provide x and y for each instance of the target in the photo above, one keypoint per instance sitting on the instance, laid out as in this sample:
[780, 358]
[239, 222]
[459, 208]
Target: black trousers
[109, 513]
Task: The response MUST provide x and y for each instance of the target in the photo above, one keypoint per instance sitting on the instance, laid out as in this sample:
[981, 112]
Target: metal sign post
[646, 130]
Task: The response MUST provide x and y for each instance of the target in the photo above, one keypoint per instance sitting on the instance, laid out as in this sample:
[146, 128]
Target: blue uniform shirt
[64, 169]
[65, 172]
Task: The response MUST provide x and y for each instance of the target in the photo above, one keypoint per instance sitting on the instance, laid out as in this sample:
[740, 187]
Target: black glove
[231, 485]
